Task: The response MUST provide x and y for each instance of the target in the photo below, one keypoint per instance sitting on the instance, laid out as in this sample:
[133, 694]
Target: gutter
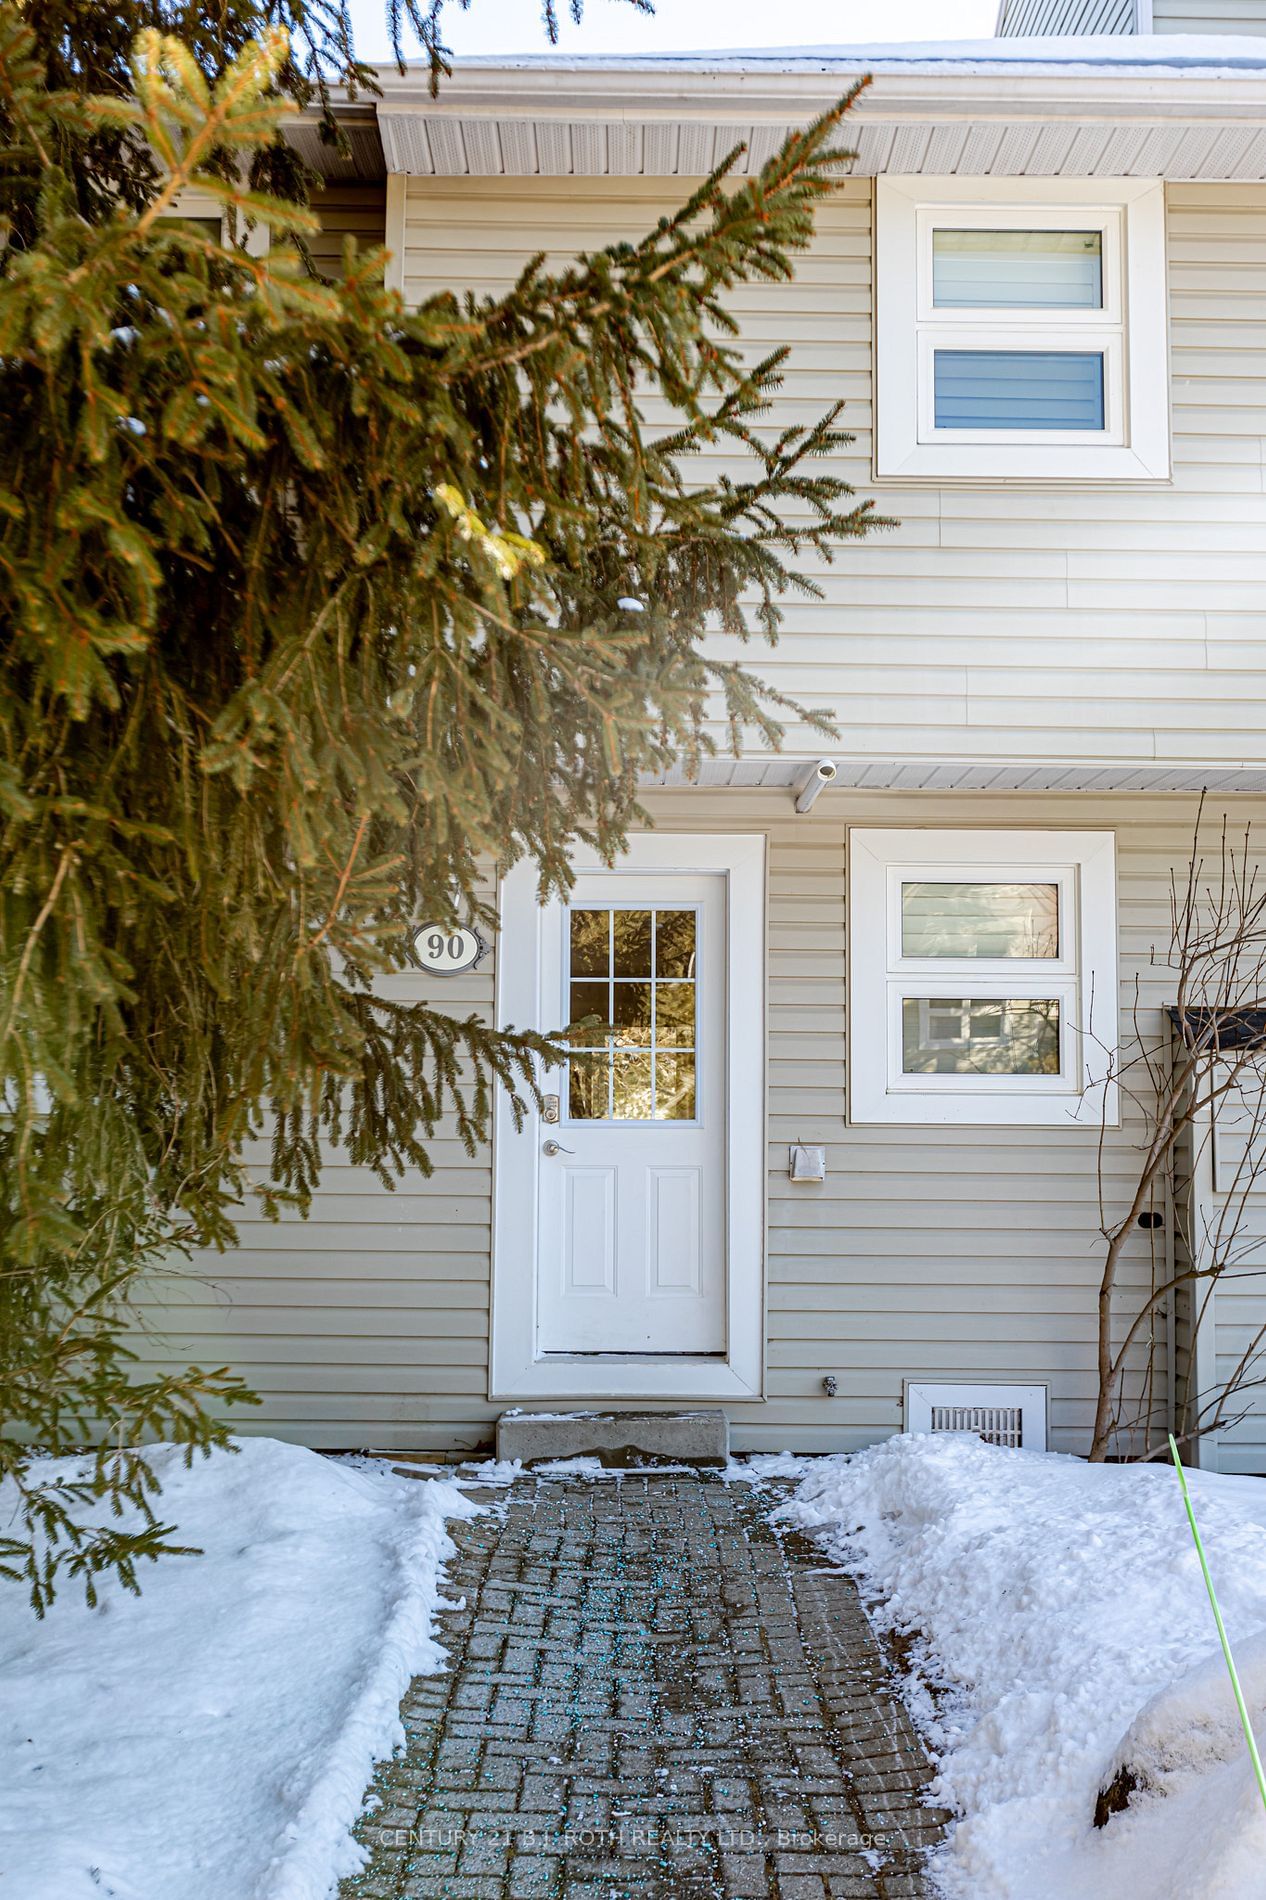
[685, 91]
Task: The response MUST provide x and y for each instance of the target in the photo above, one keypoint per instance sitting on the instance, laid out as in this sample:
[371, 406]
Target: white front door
[628, 1217]
[631, 1200]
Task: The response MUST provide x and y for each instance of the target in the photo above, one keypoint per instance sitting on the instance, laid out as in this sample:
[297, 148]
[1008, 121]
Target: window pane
[952, 1035]
[674, 943]
[1032, 270]
[980, 920]
[211, 227]
[631, 1012]
[632, 942]
[675, 1015]
[1018, 389]
[587, 1088]
[612, 953]
[590, 942]
[675, 1088]
[590, 999]
[632, 1098]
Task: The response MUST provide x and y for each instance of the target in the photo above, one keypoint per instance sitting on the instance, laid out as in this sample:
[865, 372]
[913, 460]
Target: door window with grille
[632, 997]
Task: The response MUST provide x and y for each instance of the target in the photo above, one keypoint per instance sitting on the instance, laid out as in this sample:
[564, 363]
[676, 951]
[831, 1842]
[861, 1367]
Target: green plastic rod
[1249, 1737]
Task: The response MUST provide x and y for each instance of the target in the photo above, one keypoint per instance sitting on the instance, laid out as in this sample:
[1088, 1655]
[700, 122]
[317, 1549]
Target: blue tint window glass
[1018, 389]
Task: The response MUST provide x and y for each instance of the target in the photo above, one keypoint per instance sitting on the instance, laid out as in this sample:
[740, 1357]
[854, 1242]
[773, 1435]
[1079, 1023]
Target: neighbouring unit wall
[1218, 16]
[1221, 1322]
[1025, 18]
[346, 210]
[1072, 624]
[952, 1253]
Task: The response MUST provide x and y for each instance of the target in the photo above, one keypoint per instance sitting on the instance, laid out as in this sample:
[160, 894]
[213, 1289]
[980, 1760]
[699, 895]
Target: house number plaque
[445, 951]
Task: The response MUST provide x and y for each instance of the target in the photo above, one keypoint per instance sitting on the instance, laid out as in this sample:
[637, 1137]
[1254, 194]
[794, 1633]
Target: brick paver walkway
[654, 1694]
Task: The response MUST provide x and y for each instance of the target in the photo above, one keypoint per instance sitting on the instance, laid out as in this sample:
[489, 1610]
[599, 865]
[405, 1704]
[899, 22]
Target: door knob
[552, 1148]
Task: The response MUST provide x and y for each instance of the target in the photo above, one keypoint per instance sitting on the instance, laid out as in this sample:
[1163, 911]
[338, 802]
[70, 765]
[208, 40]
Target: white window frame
[1130, 330]
[192, 203]
[1083, 976]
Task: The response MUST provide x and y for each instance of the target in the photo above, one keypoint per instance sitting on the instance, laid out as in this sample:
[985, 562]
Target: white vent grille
[996, 1424]
[1008, 1415]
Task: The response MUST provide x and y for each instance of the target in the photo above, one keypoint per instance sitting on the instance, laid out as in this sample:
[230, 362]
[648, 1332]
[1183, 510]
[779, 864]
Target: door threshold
[635, 1358]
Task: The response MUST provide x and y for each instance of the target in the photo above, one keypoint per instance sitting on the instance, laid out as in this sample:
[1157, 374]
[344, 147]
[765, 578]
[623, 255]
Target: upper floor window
[1021, 330]
[200, 211]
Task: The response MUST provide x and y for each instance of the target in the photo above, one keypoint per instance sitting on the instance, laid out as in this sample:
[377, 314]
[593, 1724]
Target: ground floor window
[983, 980]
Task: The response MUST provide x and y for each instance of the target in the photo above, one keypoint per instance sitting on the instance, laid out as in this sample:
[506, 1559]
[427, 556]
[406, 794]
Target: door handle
[552, 1148]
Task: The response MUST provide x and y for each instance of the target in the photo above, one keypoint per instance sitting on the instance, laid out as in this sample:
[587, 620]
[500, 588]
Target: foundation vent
[1009, 1415]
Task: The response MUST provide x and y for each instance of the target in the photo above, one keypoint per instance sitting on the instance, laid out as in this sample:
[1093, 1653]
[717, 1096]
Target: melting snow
[1065, 1631]
[213, 1739]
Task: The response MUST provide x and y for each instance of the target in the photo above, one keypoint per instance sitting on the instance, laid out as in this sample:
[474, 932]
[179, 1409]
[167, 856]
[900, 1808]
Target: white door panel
[673, 1260]
[589, 1233]
[632, 1183]
[628, 1217]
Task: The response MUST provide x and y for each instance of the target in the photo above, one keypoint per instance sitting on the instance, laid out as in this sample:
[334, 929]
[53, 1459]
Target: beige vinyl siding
[1239, 1316]
[953, 1253]
[1112, 625]
[346, 210]
[1106, 625]
[1220, 16]
[367, 1323]
[1036, 17]
[1029, 18]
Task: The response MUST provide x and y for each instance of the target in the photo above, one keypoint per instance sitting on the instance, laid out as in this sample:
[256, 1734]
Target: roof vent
[1013, 1415]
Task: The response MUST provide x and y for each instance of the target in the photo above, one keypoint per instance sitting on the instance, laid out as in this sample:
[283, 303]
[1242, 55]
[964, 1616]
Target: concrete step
[617, 1438]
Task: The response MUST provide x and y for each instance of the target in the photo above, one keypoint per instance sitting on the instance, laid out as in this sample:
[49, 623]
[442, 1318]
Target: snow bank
[1208, 53]
[1066, 1633]
[214, 1740]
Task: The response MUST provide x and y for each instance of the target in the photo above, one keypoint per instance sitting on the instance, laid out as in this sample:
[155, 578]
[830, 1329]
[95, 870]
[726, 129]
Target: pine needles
[312, 610]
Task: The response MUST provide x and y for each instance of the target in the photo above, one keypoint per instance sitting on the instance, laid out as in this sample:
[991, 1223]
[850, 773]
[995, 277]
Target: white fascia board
[986, 89]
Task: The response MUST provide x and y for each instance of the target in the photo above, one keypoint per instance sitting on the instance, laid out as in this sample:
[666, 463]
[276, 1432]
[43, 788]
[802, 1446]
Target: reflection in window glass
[633, 1094]
[675, 1014]
[211, 227]
[631, 942]
[631, 1012]
[588, 1088]
[980, 920]
[1015, 270]
[633, 970]
[590, 942]
[675, 1087]
[958, 1035]
[675, 943]
[1018, 389]
[589, 999]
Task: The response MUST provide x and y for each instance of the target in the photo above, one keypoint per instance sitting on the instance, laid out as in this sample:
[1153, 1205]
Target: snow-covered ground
[213, 1740]
[1065, 1632]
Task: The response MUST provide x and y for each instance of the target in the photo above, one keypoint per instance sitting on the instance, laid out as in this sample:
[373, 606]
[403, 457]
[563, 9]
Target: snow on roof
[1209, 53]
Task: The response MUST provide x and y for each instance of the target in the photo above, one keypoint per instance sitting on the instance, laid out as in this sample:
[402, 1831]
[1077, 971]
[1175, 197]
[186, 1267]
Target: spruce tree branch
[336, 902]
[65, 861]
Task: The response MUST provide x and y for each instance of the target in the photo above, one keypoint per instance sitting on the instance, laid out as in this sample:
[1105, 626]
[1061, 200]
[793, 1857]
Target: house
[845, 1175]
